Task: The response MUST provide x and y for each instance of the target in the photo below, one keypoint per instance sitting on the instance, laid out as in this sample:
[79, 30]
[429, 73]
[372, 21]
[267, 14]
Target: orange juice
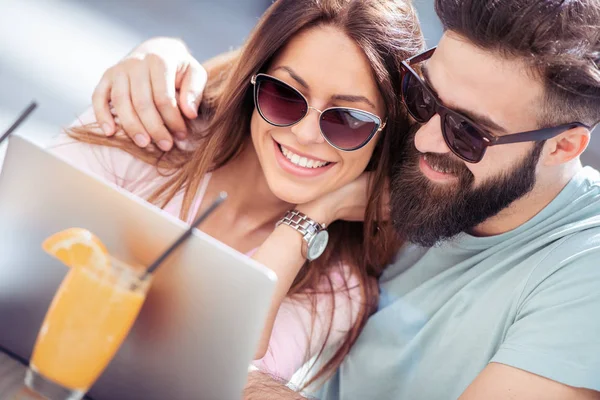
[89, 318]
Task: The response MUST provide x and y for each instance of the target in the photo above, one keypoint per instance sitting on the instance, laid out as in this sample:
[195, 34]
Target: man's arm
[143, 89]
[498, 381]
[264, 387]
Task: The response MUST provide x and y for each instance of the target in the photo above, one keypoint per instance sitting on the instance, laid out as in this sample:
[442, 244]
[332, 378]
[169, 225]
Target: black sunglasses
[280, 104]
[465, 138]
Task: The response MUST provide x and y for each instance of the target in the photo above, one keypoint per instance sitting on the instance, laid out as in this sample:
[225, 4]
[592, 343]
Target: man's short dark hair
[558, 39]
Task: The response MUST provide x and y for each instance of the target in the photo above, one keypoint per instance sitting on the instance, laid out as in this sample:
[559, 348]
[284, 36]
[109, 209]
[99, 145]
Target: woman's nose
[308, 131]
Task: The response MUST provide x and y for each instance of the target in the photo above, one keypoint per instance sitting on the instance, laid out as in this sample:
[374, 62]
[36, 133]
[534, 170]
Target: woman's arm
[298, 335]
[282, 251]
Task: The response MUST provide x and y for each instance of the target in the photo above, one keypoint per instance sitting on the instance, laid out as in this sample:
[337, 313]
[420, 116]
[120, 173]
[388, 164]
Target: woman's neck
[249, 197]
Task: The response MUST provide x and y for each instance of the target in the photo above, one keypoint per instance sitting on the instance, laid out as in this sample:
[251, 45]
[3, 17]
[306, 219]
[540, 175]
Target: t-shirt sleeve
[297, 336]
[556, 333]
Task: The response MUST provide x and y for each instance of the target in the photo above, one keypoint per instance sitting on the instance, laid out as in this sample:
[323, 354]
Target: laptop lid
[200, 324]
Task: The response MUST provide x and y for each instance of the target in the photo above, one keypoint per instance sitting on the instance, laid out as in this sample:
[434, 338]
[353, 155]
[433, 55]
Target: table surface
[12, 373]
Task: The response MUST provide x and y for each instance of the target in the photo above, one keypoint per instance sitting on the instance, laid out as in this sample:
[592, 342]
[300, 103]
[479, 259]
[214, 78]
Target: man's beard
[426, 213]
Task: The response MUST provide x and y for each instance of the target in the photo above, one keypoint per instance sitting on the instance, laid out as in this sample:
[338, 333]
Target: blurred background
[55, 51]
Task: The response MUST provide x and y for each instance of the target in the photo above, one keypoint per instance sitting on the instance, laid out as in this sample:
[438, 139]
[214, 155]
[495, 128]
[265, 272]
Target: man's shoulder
[569, 233]
[408, 256]
[578, 239]
[574, 258]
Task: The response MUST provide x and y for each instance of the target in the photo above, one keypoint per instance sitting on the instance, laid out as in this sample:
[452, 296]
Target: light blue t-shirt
[529, 298]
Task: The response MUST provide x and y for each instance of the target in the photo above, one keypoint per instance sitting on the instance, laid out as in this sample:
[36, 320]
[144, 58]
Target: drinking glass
[88, 320]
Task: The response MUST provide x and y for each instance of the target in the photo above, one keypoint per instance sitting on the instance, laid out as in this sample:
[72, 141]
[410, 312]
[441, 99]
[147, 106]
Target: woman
[288, 130]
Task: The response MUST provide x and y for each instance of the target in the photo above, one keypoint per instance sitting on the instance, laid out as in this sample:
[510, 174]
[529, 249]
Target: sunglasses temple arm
[533, 136]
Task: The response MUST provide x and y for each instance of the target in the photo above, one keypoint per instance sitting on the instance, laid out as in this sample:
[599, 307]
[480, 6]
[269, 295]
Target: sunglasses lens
[279, 103]
[419, 102]
[348, 129]
[463, 138]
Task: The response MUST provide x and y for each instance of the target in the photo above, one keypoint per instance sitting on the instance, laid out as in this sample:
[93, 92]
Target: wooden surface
[12, 373]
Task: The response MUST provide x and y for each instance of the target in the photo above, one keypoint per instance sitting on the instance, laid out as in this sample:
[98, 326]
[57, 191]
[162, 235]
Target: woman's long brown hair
[388, 32]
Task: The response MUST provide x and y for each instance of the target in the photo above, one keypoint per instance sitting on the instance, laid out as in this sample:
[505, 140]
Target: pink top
[289, 345]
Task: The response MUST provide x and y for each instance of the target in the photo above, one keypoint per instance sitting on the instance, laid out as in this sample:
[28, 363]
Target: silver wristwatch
[314, 234]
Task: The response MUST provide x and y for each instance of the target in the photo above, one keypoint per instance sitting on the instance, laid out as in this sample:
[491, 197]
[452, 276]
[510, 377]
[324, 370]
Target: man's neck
[527, 207]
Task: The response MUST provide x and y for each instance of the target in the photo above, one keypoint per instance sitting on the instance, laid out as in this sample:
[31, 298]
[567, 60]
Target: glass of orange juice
[88, 319]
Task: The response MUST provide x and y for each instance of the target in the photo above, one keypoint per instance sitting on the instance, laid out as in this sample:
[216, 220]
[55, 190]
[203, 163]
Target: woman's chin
[292, 196]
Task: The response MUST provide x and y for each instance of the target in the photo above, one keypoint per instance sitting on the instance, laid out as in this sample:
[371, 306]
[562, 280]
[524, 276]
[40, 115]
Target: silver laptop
[200, 324]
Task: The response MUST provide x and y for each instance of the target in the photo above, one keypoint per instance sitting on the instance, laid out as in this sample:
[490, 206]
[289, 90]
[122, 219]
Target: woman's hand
[142, 89]
[347, 203]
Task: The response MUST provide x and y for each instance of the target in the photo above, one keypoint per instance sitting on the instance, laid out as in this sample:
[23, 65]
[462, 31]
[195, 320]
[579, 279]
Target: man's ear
[566, 146]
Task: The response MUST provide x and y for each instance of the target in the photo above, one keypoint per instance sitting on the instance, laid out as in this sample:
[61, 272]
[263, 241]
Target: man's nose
[429, 138]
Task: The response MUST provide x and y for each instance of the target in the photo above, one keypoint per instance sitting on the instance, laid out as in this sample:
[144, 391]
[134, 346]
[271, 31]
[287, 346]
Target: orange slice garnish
[77, 247]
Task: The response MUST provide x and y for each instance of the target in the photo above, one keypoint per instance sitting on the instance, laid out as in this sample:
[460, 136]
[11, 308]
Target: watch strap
[302, 223]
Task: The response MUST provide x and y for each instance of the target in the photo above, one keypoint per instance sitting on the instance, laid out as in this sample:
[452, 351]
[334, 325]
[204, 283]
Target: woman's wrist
[317, 213]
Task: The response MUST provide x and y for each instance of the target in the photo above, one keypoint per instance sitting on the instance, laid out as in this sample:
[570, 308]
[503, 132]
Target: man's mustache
[447, 162]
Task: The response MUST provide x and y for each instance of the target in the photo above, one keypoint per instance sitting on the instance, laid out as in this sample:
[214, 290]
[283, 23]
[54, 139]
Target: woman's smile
[299, 164]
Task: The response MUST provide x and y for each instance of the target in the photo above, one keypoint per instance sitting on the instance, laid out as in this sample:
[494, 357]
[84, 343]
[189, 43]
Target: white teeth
[439, 169]
[436, 167]
[301, 161]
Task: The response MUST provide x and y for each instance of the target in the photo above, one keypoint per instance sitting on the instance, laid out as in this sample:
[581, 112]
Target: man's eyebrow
[479, 119]
[342, 97]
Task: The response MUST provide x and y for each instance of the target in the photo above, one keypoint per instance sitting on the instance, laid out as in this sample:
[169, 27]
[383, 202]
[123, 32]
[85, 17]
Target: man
[499, 297]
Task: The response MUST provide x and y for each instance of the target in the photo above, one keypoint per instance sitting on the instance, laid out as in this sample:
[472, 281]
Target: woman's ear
[566, 146]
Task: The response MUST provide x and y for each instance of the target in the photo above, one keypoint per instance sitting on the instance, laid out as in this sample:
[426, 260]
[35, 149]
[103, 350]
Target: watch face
[317, 245]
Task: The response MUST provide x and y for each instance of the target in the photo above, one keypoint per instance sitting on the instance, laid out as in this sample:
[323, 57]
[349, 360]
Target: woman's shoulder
[110, 163]
[339, 289]
[340, 277]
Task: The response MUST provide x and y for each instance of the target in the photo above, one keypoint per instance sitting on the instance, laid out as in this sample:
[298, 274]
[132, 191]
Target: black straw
[19, 120]
[185, 235]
